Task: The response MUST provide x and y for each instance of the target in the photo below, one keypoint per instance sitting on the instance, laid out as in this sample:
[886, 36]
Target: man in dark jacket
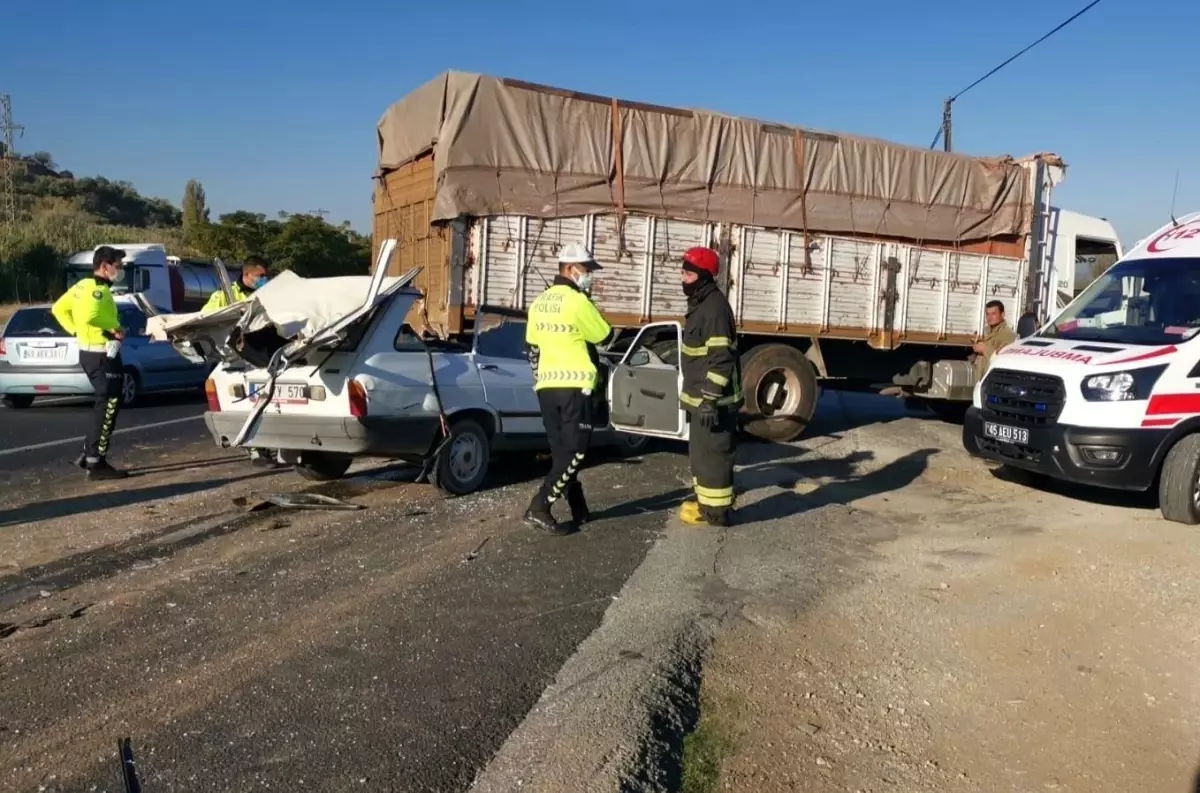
[712, 389]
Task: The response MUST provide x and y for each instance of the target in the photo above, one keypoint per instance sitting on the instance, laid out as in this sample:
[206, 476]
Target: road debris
[310, 501]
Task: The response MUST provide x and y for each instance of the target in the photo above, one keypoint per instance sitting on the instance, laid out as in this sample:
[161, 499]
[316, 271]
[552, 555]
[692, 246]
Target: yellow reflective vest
[88, 312]
[563, 324]
[216, 301]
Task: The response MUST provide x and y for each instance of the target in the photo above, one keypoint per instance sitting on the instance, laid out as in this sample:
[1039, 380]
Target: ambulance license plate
[1006, 434]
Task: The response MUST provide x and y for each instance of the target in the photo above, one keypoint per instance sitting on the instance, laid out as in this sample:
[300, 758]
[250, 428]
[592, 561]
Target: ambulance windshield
[1141, 301]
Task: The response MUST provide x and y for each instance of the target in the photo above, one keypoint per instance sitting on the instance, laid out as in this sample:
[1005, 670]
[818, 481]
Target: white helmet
[577, 253]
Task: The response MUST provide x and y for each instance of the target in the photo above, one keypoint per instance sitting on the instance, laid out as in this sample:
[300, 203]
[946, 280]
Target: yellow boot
[689, 512]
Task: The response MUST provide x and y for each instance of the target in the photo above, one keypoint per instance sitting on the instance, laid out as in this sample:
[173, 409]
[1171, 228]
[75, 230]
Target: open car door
[643, 389]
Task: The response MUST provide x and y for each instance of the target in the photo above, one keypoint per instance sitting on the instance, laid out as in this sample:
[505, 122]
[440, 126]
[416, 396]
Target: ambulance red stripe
[1170, 422]
[1173, 403]
[1146, 355]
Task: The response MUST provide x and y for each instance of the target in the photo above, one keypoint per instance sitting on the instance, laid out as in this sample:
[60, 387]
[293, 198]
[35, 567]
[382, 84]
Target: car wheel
[1179, 485]
[323, 466]
[18, 401]
[131, 388]
[462, 464]
[628, 444]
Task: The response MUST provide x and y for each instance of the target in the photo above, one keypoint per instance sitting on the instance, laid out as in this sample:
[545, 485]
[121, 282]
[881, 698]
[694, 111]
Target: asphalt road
[52, 430]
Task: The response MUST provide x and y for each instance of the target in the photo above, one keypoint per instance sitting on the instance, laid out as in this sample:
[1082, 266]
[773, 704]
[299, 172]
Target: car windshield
[1143, 301]
[33, 322]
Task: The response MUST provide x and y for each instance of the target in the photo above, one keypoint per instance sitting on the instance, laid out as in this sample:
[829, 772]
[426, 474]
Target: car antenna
[1174, 195]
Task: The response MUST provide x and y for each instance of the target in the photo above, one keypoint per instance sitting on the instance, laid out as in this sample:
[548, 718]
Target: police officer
[254, 276]
[562, 332]
[712, 389]
[88, 312]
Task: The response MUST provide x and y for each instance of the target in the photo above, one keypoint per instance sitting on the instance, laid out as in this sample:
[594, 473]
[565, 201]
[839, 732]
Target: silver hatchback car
[39, 359]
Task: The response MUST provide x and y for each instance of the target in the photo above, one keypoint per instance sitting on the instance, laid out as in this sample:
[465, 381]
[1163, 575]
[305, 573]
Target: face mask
[584, 282]
[689, 288]
[260, 282]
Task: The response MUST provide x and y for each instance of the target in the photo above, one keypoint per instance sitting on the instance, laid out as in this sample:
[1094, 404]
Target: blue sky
[272, 104]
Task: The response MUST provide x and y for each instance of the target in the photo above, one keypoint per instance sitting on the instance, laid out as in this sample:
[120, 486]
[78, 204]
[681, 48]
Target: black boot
[715, 516]
[538, 517]
[102, 471]
[580, 514]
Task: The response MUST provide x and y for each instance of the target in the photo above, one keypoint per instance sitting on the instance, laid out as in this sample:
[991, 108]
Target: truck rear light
[210, 394]
[358, 399]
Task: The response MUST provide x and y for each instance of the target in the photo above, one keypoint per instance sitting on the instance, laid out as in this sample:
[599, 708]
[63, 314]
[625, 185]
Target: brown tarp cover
[506, 147]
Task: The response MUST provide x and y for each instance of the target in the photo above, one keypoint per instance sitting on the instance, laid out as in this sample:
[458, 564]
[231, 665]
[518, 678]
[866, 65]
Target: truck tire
[780, 389]
[1180, 482]
[323, 466]
[462, 465]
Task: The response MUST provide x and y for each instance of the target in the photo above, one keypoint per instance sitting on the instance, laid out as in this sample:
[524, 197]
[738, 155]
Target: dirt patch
[1007, 638]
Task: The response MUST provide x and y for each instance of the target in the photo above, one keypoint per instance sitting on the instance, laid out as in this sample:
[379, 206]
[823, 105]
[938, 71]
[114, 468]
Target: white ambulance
[1108, 393]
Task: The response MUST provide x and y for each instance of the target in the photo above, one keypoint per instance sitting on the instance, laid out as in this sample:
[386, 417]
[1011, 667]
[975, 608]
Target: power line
[8, 161]
[945, 128]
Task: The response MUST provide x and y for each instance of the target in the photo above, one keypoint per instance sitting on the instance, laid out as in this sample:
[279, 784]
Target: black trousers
[105, 375]
[711, 454]
[567, 416]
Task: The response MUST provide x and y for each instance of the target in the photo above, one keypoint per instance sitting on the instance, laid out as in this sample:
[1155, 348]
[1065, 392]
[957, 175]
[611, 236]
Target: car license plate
[1006, 434]
[43, 354]
[285, 393]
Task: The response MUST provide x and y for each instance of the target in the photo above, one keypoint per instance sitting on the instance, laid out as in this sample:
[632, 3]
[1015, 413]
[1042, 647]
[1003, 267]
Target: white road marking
[80, 439]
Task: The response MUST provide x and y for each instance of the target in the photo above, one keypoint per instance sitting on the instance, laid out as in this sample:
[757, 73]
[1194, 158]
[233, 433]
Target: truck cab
[1108, 392]
[170, 284]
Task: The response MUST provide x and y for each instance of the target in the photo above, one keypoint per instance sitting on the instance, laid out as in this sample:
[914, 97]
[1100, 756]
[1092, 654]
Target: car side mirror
[638, 358]
[1026, 325]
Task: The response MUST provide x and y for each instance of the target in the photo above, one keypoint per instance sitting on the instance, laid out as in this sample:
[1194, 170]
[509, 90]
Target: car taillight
[358, 399]
[3, 348]
[210, 393]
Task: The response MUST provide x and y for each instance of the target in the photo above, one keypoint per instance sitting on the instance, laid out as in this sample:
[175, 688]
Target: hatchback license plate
[42, 354]
[285, 393]
[1006, 434]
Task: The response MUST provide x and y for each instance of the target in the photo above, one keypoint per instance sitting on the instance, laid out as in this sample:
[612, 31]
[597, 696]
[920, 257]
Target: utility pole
[321, 213]
[9, 162]
[946, 109]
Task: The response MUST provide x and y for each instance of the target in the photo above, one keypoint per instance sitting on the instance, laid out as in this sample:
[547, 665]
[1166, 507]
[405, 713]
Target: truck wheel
[323, 466]
[780, 389]
[1179, 485]
[463, 463]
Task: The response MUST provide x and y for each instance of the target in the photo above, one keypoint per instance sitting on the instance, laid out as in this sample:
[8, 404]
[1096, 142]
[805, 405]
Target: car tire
[131, 387]
[18, 401]
[1179, 485]
[629, 445]
[462, 464]
[323, 466]
[772, 362]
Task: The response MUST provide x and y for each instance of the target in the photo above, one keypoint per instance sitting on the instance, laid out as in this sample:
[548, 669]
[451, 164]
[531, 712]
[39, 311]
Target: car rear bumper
[370, 436]
[44, 380]
[1062, 452]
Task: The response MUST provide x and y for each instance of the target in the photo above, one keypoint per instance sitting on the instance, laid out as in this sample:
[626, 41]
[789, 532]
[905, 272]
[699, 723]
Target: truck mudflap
[1119, 459]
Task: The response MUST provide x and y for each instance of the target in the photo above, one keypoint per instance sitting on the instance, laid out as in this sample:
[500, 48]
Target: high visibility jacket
[88, 312]
[216, 301]
[708, 359]
[563, 328]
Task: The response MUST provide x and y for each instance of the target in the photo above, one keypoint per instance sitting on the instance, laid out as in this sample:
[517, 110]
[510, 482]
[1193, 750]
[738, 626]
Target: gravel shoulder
[908, 620]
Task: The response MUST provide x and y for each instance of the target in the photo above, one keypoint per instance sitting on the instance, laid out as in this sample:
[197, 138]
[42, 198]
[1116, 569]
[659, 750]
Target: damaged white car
[327, 370]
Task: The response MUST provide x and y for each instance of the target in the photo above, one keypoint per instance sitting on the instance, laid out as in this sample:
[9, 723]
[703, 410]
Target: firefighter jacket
[562, 332]
[708, 358]
[88, 312]
[216, 301]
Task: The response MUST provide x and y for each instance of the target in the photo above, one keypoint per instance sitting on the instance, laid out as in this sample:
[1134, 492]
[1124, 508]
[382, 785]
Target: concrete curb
[615, 716]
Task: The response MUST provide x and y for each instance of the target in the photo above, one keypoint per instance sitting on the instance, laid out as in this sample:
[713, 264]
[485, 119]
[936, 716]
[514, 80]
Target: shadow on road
[143, 470]
[1144, 499]
[93, 502]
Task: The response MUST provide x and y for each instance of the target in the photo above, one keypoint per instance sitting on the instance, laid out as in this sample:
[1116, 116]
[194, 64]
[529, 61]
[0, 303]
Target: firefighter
[712, 389]
[88, 312]
[254, 276]
[563, 329]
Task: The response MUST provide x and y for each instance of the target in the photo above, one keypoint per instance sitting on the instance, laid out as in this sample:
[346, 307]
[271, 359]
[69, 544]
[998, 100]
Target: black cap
[106, 254]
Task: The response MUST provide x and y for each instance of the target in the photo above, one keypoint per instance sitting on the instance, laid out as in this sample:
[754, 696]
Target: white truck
[844, 258]
[1108, 392]
[171, 284]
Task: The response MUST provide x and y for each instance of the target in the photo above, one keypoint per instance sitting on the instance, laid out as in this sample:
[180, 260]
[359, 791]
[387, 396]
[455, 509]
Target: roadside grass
[714, 739]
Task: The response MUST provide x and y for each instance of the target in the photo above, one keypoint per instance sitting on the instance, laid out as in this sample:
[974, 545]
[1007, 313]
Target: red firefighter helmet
[702, 259]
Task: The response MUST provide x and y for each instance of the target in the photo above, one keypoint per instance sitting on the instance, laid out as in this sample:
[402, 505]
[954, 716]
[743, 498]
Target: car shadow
[1126, 499]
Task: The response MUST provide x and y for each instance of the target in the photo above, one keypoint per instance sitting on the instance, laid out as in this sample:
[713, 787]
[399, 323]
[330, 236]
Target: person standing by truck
[712, 389]
[88, 312]
[563, 329]
[998, 336]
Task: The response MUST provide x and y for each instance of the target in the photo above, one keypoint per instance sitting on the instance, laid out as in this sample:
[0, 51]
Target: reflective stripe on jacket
[563, 328]
[216, 301]
[88, 312]
[709, 359]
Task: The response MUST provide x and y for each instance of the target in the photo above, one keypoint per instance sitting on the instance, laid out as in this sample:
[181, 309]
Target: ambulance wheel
[779, 386]
[1179, 485]
[323, 466]
[462, 464]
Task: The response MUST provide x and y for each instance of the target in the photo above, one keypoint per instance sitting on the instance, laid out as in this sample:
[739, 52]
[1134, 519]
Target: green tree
[310, 247]
[195, 211]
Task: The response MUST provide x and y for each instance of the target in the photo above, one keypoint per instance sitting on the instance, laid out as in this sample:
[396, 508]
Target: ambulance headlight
[1127, 386]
